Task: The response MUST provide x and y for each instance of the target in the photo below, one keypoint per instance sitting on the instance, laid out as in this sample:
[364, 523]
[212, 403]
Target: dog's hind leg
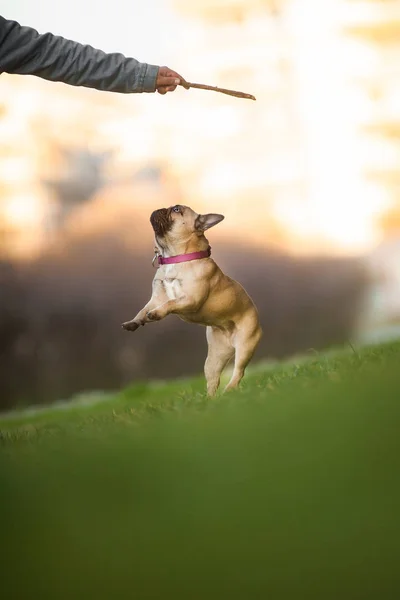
[245, 344]
[220, 352]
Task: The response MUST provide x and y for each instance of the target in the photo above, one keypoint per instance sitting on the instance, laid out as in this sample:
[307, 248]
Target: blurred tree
[5, 231]
[80, 179]
[152, 173]
[223, 11]
[383, 35]
[390, 221]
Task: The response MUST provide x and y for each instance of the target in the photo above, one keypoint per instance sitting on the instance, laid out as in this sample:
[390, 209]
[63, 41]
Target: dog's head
[179, 223]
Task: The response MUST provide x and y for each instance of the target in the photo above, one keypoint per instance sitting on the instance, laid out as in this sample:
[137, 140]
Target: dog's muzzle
[161, 221]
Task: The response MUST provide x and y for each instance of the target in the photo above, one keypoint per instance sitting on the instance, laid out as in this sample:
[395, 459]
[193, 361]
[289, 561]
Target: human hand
[168, 80]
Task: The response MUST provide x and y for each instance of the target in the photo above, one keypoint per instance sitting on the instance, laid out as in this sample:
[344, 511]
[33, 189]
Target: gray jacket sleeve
[26, 52]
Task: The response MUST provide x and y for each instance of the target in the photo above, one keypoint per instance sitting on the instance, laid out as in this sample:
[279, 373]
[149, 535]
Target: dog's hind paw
[130, 326]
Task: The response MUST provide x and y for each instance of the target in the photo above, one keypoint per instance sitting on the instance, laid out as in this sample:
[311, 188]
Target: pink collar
[171, 260]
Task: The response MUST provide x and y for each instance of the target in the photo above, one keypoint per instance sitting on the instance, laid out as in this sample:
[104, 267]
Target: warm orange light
[301, 157]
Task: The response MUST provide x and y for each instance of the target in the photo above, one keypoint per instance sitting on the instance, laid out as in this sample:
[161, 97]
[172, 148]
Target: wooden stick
[213, 88]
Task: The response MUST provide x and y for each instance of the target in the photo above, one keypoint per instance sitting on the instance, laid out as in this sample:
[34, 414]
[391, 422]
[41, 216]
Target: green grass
[288, 488]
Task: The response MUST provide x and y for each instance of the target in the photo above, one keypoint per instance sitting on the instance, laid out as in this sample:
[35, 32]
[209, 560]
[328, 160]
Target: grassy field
[288, 488]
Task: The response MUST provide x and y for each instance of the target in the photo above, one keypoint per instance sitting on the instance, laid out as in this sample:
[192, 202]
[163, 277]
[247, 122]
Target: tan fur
[199, 292]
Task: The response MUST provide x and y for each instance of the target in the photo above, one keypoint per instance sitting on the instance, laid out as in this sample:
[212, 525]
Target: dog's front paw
[153, 315]
[130, 326]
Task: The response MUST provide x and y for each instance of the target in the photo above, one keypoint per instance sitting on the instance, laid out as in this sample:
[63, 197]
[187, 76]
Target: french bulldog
[188, 283]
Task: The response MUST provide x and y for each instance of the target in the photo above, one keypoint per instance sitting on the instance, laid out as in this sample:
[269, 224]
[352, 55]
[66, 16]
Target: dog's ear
[204, 222]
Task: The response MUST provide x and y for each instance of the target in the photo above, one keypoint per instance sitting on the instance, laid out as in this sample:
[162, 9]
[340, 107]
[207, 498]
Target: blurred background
[308, 179]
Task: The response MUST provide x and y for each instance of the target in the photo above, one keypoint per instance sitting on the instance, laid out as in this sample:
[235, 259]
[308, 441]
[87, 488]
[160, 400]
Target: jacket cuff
[148, 78]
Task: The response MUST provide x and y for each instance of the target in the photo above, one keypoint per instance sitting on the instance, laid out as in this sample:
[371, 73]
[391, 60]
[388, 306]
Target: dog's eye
[177, 209]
